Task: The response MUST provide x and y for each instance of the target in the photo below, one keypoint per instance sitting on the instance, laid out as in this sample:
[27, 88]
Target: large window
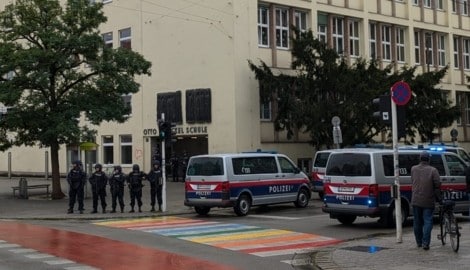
[198, 106]
[427, 3]
[429, 49]
[108, 150]
[463, 99]
[263, 26]
[322, 27]
[354, 38]
[417, 48]
[456, 52]
[441, 50]
[386, 42]
[464, 7]
[301, 20]
[282, 28]
[125, 38]
[126, 149]
[338, 34]
[108, 39]
[373, 40]
[400, 40]
[466, 54]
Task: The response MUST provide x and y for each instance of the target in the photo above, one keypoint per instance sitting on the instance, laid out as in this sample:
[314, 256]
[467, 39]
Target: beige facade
[206, 44]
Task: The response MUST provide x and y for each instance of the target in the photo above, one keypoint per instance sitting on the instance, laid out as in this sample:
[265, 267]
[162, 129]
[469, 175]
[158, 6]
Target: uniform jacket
[426, 185]
[117, 181]
[135, 180]
[155, 177]
[76, 178]
[98, 181]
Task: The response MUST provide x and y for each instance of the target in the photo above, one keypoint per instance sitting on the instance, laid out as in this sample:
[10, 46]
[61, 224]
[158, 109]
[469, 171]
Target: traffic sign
[401, 93]
[335, 121]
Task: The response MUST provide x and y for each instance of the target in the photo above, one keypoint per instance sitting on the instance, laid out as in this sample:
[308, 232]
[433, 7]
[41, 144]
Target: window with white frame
[354, 38]
[108, 39]
[338, 34]
[282, 28]
[301, 20]
[441, 50]
[429, 49]
[456, 52]
[127, 98]
[322, 32]
[265, 111]
[417, 47]
[386, 42]
[439, 4]
[427, 3]
[108, 149]
[126, 149]
[463, 99]
[125, 39]
[454, 6]
[400, 40]
[466, 54]
[263, 26]
[373, 40]
[415, 2]
[464, 7]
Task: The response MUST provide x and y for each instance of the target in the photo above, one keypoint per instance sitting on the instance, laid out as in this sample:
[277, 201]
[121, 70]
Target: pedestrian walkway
[380, 252]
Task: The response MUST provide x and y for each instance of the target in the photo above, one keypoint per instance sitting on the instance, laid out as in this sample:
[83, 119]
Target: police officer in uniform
[156, 183]
[135, 186]
[76, 179]
[98, 181]
[116, 183]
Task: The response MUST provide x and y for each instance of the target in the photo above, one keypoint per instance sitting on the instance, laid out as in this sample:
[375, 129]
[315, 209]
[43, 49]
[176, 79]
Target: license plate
[203, 193]
[346, 189]
[203, 187]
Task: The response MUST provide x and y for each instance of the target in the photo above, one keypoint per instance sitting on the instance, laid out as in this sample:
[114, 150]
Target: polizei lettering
[280, 188]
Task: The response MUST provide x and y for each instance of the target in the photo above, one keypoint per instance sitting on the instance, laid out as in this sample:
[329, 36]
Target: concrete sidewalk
[376, 252]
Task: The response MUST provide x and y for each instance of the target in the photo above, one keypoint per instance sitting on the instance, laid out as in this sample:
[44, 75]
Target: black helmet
[98, 166]
[135, 167]
[156, 162]
[117, 168]
[77, 162]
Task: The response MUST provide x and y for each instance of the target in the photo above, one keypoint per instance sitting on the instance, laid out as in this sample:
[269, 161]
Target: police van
[318, 171]
[242, 181]
[358, 183]
[460, 151]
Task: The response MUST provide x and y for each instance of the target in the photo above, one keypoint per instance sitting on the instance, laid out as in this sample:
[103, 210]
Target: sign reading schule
[191, 130]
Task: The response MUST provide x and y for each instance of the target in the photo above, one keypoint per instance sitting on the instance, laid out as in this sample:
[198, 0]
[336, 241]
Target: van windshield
[206, 166]
[349, 164]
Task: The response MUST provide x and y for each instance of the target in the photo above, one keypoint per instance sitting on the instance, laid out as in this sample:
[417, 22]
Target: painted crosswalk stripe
[7, 245]
[59, 261]
[22, 250]
[39, 256]
[263, 242]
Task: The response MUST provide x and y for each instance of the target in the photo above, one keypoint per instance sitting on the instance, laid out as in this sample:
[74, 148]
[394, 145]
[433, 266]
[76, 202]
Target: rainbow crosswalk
[249, 239]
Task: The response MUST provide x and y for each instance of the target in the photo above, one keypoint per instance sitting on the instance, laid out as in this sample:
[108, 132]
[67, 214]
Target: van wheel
[302, 199]
[243, 205]
[346, 219]
[389, 220]
[203, 211]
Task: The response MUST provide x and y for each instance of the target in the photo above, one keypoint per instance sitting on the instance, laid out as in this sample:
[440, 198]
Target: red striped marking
[98, 251]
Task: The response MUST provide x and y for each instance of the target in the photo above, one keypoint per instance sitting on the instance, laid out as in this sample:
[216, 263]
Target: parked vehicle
[358, 183]
[244, 180]
[318, 171]
[460, 151]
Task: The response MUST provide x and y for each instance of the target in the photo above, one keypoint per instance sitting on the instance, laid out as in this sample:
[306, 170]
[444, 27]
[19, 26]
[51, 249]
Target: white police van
[460, 151]
[358, 182]
[242, 181]
[318, 171]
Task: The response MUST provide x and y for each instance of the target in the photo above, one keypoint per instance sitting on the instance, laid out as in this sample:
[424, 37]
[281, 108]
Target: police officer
[98, 181]
[116, 183]
[76, 179]
[174, 167]
[156, 183]
[135, 186]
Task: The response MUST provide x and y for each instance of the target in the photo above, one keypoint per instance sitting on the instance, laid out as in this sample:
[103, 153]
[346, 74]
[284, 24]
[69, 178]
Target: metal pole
[163, 170]
[46, 170]
[9, 165]
[398, 216]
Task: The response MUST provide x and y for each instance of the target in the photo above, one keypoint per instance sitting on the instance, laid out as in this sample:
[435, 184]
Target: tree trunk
[56, 189]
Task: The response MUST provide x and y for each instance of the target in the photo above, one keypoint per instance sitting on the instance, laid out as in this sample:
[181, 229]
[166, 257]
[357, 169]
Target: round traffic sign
[401, 93]
[335, 121]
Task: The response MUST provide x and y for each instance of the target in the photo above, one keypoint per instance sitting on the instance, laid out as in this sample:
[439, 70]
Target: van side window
[321, 159]
[206, 166]
[405, 162]
[286, 165]
[254, 165]
[436, 162]
[456, 166]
